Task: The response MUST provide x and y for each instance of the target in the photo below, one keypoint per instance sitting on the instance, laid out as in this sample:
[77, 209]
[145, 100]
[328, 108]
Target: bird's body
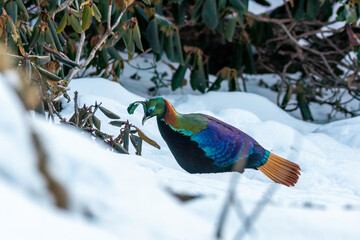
[204, 144]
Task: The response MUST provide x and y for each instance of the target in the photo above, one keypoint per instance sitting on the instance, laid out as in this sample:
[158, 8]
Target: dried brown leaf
[147, 139]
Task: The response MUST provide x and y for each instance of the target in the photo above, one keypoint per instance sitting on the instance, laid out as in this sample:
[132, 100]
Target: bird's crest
[152, 107]
[134, 105]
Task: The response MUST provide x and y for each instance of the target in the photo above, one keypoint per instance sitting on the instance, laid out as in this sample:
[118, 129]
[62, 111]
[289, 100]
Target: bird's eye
[150, 110]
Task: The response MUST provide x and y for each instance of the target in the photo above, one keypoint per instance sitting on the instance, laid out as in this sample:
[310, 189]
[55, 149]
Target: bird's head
[152, 107]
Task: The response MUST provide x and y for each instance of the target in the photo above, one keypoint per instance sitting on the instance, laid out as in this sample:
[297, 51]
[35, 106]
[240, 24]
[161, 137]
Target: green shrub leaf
[109, 113]
[209, 14]
[86, 18]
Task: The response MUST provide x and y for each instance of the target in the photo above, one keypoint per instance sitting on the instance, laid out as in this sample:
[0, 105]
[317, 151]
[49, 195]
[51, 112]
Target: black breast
[186, 152]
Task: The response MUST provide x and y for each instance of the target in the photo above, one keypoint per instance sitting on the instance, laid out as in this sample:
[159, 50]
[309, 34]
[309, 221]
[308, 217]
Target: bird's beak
[144, 119]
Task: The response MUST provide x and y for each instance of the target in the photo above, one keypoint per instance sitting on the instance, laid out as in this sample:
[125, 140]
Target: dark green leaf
[217, 84]
[34, 36]
[118, 66]
[96, 12]
[300, 13]
[250, 61]
[222, 4]
[264, 2]
[341, 14]
[11, 9]
[120, 148]
[23, 9]
[66, 96]
[75, 23]
[96, 122]
[66, 62]
[230, 29]
[209, 14]
[197, 76]
[40, 42]
[114, 53]
[152, 36]
[76, 13]
[48, 38]
[303, 104]
[196, 13]
[101, 134]
[169, 46]
[137, 37]
[233, 84]
[178, 77]
[52, 26]
[23, 35]
[103, 7]
[178, 49]
[109, 113]
[117, 123]
[137, 143]
[83, 113]
[126, 136]
[129, 43]
[90, 121]
[104, 56]
[239, 5]
[47, 74]
[287, 97]
[178, 11]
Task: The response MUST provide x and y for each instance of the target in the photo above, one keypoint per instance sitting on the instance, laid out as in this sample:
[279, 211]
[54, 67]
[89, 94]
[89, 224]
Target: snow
[116, 196]
[24, 218]
[14, 132]
[257, 8]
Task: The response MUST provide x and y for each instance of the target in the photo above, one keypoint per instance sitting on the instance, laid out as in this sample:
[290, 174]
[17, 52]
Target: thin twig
[229, 200]
[50, 109]
[119, 18]
[76, 107]
[254, 215]
[80, 47]
[141, 54]
[55, 111]
[286, 4]
[66, 4]
[109, 15]
[140, 68]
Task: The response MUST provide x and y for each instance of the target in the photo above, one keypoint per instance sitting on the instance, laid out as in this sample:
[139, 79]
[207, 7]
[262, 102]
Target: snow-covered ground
[116, 196]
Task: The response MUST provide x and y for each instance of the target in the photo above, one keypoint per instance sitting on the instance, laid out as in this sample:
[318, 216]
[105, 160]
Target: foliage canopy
[54, 41]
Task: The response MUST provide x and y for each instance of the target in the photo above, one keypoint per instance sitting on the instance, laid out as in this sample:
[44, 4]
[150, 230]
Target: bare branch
[76, 107]
[66, 4]
[109, 15]
[119, 18]
[102, 40]
[80, 47]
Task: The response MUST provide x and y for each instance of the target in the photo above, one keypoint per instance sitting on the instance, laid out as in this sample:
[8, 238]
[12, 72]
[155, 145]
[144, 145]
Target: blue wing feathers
[226, 144]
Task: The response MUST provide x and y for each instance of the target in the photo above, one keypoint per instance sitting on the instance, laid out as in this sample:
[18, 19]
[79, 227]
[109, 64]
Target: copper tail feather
[281, 170]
